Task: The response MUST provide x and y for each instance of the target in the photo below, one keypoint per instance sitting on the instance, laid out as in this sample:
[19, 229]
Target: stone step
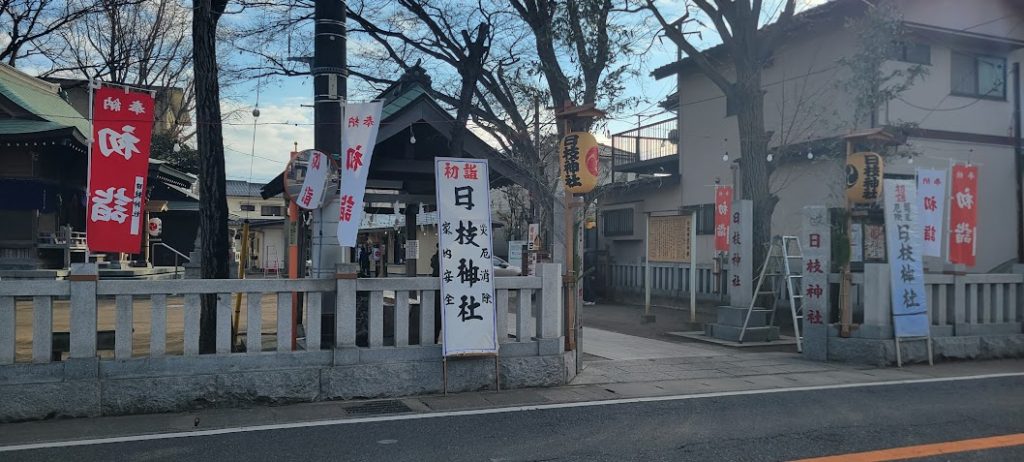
[732, 333]
[733, 316]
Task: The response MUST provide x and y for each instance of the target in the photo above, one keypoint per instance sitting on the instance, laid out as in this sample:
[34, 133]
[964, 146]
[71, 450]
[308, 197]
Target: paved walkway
[616, 346]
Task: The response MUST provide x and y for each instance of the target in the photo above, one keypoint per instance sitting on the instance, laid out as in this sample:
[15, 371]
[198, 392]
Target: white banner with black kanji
[467, 276]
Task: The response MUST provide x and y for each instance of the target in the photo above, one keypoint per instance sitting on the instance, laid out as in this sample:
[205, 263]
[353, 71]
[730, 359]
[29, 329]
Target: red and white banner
[315, 181]
[358, 137]
[931, 201]
[723, 210]
[118, 165]
[963, 215]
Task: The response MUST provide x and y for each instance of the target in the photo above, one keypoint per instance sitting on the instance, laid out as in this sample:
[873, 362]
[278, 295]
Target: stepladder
[780, 278]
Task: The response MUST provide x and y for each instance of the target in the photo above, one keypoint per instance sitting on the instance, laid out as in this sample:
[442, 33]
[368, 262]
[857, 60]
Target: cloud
[277, 129]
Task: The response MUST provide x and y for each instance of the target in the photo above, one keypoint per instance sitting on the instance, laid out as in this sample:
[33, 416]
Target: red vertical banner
[118, 165]
[963, 215]
[723, 210]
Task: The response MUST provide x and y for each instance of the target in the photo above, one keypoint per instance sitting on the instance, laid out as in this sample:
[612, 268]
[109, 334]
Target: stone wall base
[140, 386]
[882, 352]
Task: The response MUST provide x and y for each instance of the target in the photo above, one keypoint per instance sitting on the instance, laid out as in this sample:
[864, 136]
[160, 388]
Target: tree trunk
[213, 208]
[749, 100]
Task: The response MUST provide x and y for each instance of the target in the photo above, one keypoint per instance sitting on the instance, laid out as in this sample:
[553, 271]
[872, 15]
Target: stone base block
[881, 352]
[735, 315]
[732, 333]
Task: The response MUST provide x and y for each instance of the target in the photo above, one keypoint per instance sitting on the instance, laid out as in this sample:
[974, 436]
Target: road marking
[474, 412]
[925, 450]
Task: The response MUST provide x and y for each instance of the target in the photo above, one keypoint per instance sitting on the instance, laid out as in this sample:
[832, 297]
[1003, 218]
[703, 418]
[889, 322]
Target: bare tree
[747, 45]
[146, 43]
[28, 27]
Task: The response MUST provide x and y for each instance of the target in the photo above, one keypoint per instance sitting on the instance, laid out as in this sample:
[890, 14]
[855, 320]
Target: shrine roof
[40, 106]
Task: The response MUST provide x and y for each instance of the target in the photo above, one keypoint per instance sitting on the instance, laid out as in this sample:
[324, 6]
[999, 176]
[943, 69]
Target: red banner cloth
[963, 215]
[723, 210]
[118, 165]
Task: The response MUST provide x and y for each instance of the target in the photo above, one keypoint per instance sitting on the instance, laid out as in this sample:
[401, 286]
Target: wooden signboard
[670, 239]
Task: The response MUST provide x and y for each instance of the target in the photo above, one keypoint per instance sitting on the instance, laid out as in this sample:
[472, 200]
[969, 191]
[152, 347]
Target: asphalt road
[755, 427]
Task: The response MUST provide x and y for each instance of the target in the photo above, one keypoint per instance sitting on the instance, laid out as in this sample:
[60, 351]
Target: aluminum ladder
[778, 267]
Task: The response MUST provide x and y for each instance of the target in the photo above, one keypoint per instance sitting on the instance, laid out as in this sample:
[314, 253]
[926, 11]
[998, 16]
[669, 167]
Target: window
[705, 215]
[247, 208]
[978, 76]
[916, 53]
[272, 210]
[618, 222]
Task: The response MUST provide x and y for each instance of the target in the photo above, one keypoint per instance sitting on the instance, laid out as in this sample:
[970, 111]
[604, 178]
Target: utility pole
[329, 93]
[1018, 162]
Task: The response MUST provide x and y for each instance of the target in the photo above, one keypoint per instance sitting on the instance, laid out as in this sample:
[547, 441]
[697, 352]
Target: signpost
[118, 168]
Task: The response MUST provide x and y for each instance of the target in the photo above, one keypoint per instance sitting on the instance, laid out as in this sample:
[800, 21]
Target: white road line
[502, 410]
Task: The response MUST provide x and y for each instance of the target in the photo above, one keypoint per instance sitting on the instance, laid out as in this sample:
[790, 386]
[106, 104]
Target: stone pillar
[877, 315]
[730, 319]
[741, 255]
[83, 279]
[817, 252]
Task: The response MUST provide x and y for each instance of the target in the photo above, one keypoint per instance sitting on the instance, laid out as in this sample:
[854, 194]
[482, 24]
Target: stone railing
[667, 280]
[958, 305]
[155, 363]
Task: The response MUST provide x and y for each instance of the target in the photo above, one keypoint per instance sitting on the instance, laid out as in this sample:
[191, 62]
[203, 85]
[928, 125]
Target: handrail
[172, 249]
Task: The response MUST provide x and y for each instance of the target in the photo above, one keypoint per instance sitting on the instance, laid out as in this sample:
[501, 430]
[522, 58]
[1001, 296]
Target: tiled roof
[240, 188]
[40, 98]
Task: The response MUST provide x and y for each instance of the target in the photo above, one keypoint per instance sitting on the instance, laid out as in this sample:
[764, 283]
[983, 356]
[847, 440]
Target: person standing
[364, 260]
[377, 263]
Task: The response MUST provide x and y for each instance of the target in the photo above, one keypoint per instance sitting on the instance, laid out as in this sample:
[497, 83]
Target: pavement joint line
[484, 411]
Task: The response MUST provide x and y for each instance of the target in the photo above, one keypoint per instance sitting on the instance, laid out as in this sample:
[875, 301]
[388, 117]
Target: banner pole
[693, 267]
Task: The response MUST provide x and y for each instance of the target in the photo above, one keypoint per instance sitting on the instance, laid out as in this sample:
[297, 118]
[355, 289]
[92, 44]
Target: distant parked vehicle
[503, 268]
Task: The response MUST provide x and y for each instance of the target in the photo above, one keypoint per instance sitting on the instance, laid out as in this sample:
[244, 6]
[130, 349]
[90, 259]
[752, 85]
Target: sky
[258, 153]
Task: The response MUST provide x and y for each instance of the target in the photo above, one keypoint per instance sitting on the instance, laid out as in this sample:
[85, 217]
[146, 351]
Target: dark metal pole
[329, 91]
[1017, 153]
[329, 85]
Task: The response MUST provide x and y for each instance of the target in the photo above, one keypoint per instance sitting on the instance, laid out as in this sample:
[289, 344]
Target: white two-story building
[963, 109]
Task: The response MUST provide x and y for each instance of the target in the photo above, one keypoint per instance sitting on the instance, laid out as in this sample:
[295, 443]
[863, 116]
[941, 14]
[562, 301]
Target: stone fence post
[83, 277]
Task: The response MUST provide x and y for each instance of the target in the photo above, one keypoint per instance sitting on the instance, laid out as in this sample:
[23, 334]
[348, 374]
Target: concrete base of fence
[882, 352]
[88, 387]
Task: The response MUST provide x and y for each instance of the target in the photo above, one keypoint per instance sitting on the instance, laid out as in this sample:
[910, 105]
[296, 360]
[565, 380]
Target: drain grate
[390, 406]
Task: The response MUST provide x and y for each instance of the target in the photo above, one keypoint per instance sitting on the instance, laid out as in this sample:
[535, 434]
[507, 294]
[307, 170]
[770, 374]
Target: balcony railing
[644, 143]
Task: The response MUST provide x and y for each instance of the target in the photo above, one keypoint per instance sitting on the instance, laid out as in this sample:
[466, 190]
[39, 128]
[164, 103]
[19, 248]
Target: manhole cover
[378, 408]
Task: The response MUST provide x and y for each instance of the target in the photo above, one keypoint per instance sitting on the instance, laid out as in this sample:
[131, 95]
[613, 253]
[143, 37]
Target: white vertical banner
[931, 200]
[358, 137]
[468, 313]
[315, 181]
[903, 238]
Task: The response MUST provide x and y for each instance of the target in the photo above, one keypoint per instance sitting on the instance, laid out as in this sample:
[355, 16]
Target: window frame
[627, 222]
[247, 207]
[904, 53]
[975, 59]
[279, 209]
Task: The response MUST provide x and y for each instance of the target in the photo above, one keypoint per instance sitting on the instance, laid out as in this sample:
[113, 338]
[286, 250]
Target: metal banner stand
[899, 358]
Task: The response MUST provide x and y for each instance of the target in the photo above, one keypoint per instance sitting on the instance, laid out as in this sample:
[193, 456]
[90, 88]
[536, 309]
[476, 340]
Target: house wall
[804, 101]
[235, 206]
